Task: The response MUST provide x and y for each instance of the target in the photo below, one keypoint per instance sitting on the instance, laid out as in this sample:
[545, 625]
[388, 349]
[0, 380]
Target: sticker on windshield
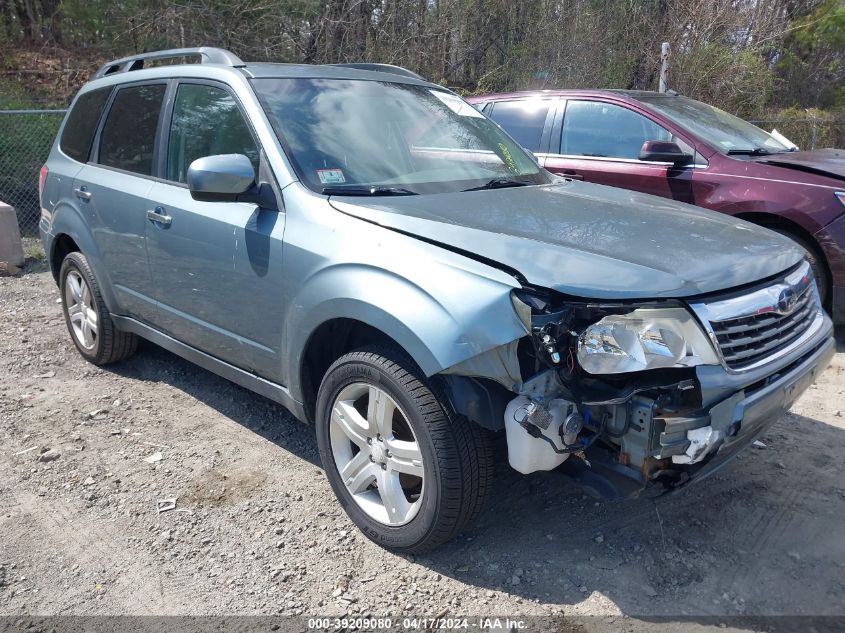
[331, 176]
[456, 104]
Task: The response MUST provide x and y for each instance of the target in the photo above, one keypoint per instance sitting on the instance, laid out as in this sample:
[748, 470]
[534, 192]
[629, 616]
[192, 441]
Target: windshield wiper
[499, 183]
[367, 191]
[756, 151]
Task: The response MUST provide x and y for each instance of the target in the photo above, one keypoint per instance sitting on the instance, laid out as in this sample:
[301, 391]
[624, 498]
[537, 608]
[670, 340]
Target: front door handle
[82, 193]
[158, 216]
[572, 175]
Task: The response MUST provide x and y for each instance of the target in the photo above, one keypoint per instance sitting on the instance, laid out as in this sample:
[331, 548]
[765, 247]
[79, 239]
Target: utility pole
[664, 67]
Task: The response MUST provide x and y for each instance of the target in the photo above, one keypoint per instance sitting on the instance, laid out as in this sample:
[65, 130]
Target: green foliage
[87, 23]
[715, 73]
[13, 96]
[812, 68]
[823, 28]
[744, 56]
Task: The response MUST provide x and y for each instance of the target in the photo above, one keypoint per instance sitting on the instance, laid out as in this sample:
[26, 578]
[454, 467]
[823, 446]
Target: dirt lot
[256, 529]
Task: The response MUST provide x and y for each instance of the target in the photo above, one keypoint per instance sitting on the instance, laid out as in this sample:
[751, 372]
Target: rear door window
[523, 119]
[596, 128]
[206, 122]
[128, 137]
[82, 124]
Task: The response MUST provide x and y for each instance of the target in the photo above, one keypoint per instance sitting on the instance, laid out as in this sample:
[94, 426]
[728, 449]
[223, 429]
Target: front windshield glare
[352, 134]
[725, 131]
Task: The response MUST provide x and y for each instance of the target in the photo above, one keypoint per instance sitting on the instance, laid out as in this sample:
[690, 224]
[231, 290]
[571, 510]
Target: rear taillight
[42, 179]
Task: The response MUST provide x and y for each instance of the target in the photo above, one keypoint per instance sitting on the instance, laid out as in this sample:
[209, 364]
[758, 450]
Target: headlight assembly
[644, 339]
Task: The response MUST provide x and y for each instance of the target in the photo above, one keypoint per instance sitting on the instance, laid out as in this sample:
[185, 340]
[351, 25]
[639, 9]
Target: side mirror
[664, 152]
[220, 178]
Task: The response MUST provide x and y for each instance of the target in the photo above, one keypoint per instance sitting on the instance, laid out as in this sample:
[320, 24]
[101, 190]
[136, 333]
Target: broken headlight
[644, 339]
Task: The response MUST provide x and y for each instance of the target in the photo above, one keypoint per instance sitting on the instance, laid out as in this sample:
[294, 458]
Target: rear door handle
[82, 193]
[158, 216]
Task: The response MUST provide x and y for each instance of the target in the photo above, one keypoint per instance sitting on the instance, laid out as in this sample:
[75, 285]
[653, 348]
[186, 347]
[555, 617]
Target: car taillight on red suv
[42, 180]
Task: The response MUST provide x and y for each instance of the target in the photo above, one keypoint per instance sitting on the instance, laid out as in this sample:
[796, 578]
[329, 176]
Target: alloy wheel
[81, 310]
[377, 454]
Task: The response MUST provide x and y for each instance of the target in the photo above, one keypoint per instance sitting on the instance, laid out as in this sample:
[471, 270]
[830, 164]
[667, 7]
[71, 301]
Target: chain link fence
[25, 140]
[808, 134]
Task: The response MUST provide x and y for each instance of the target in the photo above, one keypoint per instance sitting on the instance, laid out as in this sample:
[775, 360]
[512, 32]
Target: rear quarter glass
[78, 133]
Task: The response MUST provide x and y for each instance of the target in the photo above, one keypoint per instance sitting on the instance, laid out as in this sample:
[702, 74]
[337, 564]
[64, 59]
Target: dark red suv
[672, 146]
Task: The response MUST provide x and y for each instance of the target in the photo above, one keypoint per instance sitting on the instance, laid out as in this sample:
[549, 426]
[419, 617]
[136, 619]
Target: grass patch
[36, 258]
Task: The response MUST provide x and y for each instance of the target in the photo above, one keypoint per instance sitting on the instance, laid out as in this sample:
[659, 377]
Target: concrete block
[11, 248]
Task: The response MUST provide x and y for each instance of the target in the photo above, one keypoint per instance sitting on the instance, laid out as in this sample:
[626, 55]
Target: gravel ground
[256, 529]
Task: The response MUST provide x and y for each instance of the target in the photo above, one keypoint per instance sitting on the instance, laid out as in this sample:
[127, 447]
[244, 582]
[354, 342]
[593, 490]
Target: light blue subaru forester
[372, 252]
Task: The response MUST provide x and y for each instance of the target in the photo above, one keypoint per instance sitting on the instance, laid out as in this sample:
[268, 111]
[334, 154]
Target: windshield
[722, 130]
[390, 138]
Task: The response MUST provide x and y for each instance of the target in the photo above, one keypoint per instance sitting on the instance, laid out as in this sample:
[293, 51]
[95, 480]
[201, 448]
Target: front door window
[605, 130]
[206, 122]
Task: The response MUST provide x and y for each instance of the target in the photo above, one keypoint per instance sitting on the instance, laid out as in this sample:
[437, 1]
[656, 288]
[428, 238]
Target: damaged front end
[610, 383]
[612, 393]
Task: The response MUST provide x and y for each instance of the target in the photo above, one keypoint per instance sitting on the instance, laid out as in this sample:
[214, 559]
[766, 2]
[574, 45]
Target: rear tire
[88, 321]
[423, 481]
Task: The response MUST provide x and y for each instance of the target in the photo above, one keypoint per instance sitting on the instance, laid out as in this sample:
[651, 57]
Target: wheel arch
[62, 245]
[480, 400]
[329, 341]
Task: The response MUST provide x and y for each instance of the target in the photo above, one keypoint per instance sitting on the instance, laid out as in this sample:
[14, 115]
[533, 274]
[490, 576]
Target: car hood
[828, 162]
[589, 240]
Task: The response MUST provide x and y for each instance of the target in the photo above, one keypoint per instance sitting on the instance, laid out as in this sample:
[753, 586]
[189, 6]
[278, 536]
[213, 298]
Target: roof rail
[383, 68]
[207, 55]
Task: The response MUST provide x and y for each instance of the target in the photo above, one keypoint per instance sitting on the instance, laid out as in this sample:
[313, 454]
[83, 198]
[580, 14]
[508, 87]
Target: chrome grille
[751, 329]
[745, 340]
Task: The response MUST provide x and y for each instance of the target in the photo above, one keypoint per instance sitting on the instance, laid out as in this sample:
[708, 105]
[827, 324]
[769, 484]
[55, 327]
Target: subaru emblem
[787, 300]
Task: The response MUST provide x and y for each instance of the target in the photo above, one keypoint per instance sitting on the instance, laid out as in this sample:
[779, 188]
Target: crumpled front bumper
[739, 410]
[748, 414]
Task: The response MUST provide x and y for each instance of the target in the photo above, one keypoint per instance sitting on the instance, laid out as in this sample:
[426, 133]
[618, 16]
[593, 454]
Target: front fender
[441, 307]
[437, 327]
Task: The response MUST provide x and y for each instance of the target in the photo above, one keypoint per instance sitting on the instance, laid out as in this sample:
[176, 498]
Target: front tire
[408, 472]
[88, 321]
[817, 264]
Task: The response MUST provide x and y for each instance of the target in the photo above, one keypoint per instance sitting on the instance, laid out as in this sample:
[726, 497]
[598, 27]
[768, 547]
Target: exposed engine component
[537, 416]
[571, 427]
[539, 436]
[549, 346]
